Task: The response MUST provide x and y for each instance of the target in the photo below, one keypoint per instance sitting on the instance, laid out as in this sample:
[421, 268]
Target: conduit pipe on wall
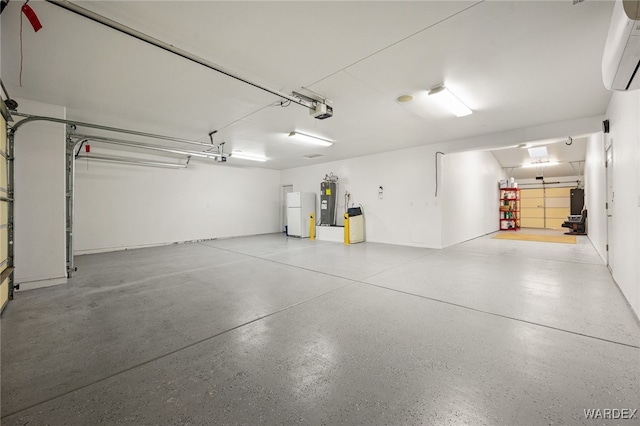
[172, 49]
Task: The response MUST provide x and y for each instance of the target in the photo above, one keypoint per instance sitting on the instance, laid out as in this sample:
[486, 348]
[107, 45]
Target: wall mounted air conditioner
[621, 56]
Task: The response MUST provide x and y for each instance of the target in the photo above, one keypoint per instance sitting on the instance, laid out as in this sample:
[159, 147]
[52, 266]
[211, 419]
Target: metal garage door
[545, 207]
[4, 285]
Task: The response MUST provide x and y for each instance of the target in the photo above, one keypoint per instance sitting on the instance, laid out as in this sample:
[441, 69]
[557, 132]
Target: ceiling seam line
[397, 42]
[243, 117]
[124, 29]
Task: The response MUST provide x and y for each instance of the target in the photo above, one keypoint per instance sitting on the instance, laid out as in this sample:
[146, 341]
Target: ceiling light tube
[243, 156]
[447, 100]
[548, 163]
[314, 140]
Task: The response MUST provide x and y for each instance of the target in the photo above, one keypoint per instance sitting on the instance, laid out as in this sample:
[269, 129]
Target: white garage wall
[596, 193]
[40, 256]
[125, 206]
[624, 239]
[408, 212]
[470, 196]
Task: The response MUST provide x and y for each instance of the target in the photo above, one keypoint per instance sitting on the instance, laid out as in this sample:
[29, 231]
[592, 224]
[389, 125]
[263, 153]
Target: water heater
[328, 200]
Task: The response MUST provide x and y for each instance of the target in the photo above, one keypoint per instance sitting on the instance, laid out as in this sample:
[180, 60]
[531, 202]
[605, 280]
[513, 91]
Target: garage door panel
[3, 134]
[3, 175]
[4, 292]
[532, 222]
[534, 213]
[4, 246]
[555, 223]
[531, 193]
[558, 192]
[532, 202]
[558, 213]
[552, 204]
[559, 202]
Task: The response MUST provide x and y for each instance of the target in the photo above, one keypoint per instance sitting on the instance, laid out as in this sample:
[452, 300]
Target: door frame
[609, 182]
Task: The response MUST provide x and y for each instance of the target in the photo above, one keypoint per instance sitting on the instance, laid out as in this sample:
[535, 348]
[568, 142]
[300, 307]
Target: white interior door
[610, 204]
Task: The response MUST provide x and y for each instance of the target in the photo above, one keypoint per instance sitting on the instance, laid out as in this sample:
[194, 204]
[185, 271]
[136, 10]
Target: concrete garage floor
[277, 330]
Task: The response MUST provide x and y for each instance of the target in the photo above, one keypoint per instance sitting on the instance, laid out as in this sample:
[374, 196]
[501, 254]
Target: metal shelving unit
[509, 209]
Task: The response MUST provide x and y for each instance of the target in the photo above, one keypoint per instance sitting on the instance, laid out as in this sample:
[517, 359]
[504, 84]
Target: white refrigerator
[300, 205]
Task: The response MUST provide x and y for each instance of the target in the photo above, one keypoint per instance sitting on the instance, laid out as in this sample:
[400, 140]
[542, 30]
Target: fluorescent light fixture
[447, 100]
[542, 164]
[243, 156]
[538, 152]
[314, 140]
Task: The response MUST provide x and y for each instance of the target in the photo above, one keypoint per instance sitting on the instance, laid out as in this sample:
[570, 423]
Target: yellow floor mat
[514, 235]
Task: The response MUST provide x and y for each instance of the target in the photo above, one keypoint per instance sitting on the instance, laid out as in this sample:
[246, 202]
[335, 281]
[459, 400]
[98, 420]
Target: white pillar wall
[621, 232]
[470, 196]
[39, 239]
[624, 237]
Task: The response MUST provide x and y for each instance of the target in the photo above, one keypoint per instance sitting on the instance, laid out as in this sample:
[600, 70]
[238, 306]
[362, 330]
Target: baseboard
[33, 285]
[82, 252]
[624, 296]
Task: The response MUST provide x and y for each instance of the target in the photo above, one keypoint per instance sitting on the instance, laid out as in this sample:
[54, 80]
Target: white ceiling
[517, 64]
[569, 152]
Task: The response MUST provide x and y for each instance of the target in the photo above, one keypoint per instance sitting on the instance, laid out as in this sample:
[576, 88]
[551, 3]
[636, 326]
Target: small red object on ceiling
[32, 17]
[87, 148]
